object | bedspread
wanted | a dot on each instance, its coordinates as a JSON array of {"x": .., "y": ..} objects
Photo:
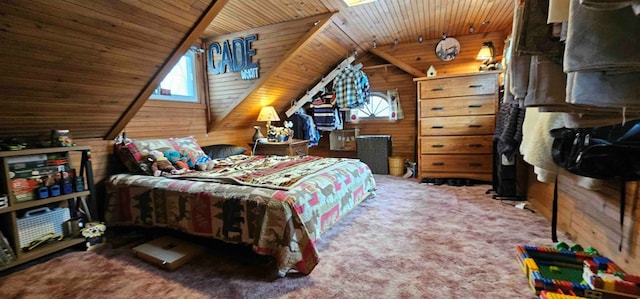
[{"x": 277, "y": 216}]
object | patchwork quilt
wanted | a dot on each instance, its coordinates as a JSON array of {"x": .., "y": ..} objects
[{"x": 277, "y": 204}]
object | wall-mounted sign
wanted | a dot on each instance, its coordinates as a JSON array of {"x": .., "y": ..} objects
[{"x": 234, "y": 56}]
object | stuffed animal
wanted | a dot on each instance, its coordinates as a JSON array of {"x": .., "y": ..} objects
[
  {"x": 94, "y": 234},
  {"x": 177, "y": 160},
  {"x": 202, "y": 163},
  {"x": 188, "y": 158},
  {"x": 160, "y": 164}
]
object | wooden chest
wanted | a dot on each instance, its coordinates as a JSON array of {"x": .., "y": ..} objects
[{"x": 456, "y": 123}]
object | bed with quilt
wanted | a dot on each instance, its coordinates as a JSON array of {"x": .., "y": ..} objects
[{"x": 279, "y": 205}]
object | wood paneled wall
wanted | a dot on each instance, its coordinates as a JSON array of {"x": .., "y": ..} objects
[
  {"x": 592, "y": 217},
  {"x": 63, "y": 57}
]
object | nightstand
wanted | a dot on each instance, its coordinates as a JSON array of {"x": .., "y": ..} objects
[{"x": 295, "y": 147}]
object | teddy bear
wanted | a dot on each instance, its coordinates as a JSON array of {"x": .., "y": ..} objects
[
  {"x": 160, "y": 164},
  {"x": 94, "y": 234}
]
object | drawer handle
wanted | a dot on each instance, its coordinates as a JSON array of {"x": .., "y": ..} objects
[
  {"x": 475, "y": 86},
  {"x": 437, "y": 145},
  {"x": 436, "y": 108},
  {"x": 475, "y": 145},
  {"x": 439, "y": 88},
  {"x": 475, "y": 164},
  {"x": 437, "y": 163},
  {"x": 475, "y": 126},
  {"x": 475, "y": 106},
  {"x": 437, "y": 127}
]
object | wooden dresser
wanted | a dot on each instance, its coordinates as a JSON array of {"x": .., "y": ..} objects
[{"x": 456, "y": 123}]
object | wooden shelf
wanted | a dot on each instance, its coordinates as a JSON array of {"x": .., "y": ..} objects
[
  {"x": 41, "y": 202},
  {"x": 18, "y": 233},
  {"x": 45, "y": 150}
]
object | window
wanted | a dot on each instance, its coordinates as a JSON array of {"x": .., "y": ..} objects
[
  {"x": 378, "y": 107},
  {"x": 180, "y": 83}
]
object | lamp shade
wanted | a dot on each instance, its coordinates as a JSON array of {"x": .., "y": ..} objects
[
  {"x": 268, "y": 113},
  {"x": 486, "y": 52}
]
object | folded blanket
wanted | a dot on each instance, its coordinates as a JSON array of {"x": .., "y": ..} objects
[
  {"x": 558, "y": 11},
  {"x": 596, "y": 119},
  {"x": 535, "y": 35},
  {"x": 602, "y": 89},
  {"x": 602, "y": 40},
  {"x": 536, "y": 142},
  {"x": 519, "y": 76},
  {"x": 547, "y": 83},
  {"x": 611, "y": 4}
]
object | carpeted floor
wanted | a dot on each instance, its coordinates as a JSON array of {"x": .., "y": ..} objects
[{"x": 409, "y": 241}]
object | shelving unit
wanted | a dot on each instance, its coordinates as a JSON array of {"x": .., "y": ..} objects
[{"x": 16, "y": 209}]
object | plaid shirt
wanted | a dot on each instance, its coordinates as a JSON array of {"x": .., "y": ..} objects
[{"x": 351, "y": 88}]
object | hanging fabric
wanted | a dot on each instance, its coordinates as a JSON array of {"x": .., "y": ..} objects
[
  {"x": 396, "y": 111},
  {"x": 325, "y": 114},
  {"x": 351, "y": 88}
]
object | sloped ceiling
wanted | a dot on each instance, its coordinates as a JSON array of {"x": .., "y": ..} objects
[{"x": 86, "y": 65}]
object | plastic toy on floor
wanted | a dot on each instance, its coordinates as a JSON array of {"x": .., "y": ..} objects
[{"x": 571, "y": 272}]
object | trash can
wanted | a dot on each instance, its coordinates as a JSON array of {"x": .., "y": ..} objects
[
  {"x": 396, "y": 166},
  {"x": 374, "y": 150}
]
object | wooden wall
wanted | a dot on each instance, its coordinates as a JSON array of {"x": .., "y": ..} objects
[{"x": 591, "y": 217}]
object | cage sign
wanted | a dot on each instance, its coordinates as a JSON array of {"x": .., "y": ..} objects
[{"x": 234, "y": 56}]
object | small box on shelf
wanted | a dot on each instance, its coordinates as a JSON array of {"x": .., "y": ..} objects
[{"x": 343, "y": 140}]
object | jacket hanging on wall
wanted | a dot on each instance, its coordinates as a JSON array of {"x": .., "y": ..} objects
[{"x": 608, "y": 152}]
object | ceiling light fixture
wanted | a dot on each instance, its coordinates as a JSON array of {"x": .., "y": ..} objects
[
  {"x": 395, "y": 43},
  {"x": 375, "y": 44},
  {"x": 420, "y": 38},
  {"x": 357, "y": 2}
]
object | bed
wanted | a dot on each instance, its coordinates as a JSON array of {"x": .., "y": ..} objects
[{"x": 279, "y": 205}]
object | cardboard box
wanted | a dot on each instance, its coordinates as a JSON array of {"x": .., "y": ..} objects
[{"x": 167, "y": 252}]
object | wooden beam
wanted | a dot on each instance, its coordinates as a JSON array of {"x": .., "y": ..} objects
[
  {"x": 397, "y": 62},
  {"x": 323, "y": 21},
  {"x": 192, "y": 36}
]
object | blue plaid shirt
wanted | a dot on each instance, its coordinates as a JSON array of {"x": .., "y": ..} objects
[{"x": 351, "y": 88}]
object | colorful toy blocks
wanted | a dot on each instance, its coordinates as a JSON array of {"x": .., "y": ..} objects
[{"x": 563, "y": 274}]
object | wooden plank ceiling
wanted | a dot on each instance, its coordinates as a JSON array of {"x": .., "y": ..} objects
[{"x": 81, "y": 64}]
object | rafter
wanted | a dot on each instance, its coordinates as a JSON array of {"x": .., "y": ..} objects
[{"x": 397, "y": 62}]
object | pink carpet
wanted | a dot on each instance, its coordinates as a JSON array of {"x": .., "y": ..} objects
[{"x": 409, "y": 241}]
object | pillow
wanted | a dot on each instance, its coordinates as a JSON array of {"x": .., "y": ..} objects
[
  {"x": 133, "y": 154},
  {"x": 220, "y": 151}
]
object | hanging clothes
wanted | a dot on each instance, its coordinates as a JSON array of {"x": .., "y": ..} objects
[
  {"x": 325, "y": 114},
  {"x": 304, "y": 127},
  {"x": 351, "y": 88}
]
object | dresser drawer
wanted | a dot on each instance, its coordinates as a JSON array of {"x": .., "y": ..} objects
[
  {"x": 458, "y": 125},
  {"x": 456, "y": 145},
  {"x": 457, "y": 163},
  {"x": 459, "y": 86},
  {"x": 475, "y": 105}
]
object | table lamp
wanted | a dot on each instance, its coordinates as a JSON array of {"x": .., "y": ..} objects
[
  {"x": 268, "y": 114},
  {"x": 487, "y": 55}
]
